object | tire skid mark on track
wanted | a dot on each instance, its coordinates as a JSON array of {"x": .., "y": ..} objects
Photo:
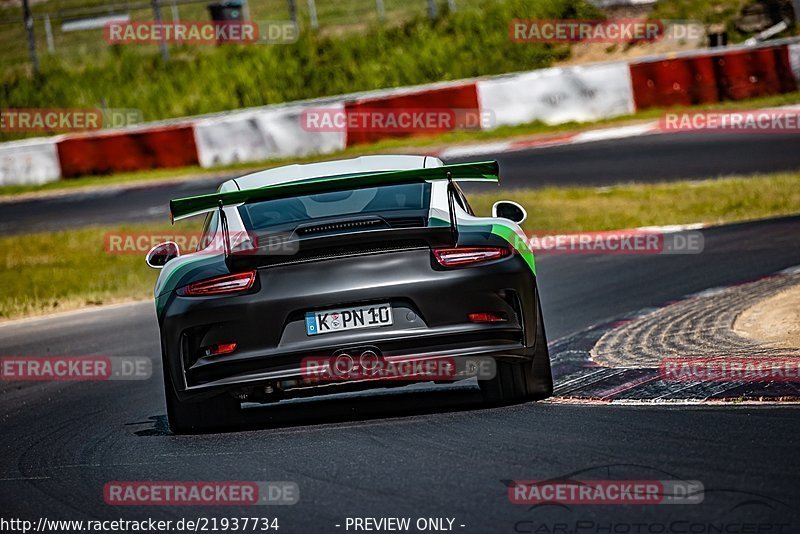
[{"x": 632, "y": 373}]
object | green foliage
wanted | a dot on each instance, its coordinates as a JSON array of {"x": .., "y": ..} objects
[{"x": 208, "y": 79}]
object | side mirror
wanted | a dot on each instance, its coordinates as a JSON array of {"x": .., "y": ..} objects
[
  {"x": 160, "y": 254},
  {"x": 509, "y": 210}
]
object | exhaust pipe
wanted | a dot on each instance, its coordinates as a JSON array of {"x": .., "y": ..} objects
[
  {"x": 343, "y": 364},
  {"x": 369, "y": 362}
]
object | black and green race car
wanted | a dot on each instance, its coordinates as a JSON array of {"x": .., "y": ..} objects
[{"x": 372, "y": 261}]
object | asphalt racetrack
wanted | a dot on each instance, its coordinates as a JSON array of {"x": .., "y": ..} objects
[
  {"x": 426, "y": 451},
  {"x": 648, "y": 158}
]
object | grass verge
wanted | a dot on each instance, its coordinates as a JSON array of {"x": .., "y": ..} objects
[
  {"x": 406, "y": 145},
  {"x": 47, "y": 272},
  {"x": 715, "y": 201}
]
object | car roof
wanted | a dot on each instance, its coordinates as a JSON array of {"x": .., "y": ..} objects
[{"x": 297, "y": 172}]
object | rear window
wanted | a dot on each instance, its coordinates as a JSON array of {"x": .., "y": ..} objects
[{"x": 386, "y": 201}]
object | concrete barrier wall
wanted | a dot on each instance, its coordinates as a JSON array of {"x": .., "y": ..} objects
[
  {"x": 262, "y": 135},
  {"x": 29, "y": 162},
  {"x": 558, "y": 95},
  {"x": 794, "y": 60}
]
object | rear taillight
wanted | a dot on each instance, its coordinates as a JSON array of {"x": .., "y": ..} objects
[
  {"x": 487, "y": 317},
  {"x": 222, "y": 348},
  {"x": 232, "y": 283},
  {"x": 453, "y": 257}
]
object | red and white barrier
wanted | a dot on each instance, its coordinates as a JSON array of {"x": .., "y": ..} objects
[
  {"x": 260, "y": 135},
  {"x": 794, "y": 60},
  {"x": 706, "y": 78},
  {"x": 462, "y": 97},
  {"x": 29, "y": 162},
  {"x": 553, "y": 96},
  {"x": 127, "y": 150},
  {"x": 558, "y": 95}
]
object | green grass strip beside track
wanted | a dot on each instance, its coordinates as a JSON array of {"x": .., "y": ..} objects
[{"x": 55, "y": 271}]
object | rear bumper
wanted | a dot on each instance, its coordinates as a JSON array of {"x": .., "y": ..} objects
[
  {"x": 429, "y": 307},
  {"x": 293, "y": 378}
]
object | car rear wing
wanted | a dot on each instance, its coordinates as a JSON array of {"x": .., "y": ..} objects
[
  {"x": 483, "y": 171},
  {"x": 460, "y": 172}
]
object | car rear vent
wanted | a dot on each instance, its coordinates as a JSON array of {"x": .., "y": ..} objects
[
  {"x": 344, "y": 225},
  {"x": 406, "y": 222},
  {"x": 321, "y": 254}
]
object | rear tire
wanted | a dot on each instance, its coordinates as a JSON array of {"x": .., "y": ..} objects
[
  {"x": 531, "y": 380},
  {"x": 189, "y": 417}
]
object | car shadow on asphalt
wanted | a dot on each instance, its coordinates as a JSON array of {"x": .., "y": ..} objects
[{"x": 419, "y": 399}]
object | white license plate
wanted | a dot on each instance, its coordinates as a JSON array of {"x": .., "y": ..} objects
[{"x": 323, "y": 322}]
